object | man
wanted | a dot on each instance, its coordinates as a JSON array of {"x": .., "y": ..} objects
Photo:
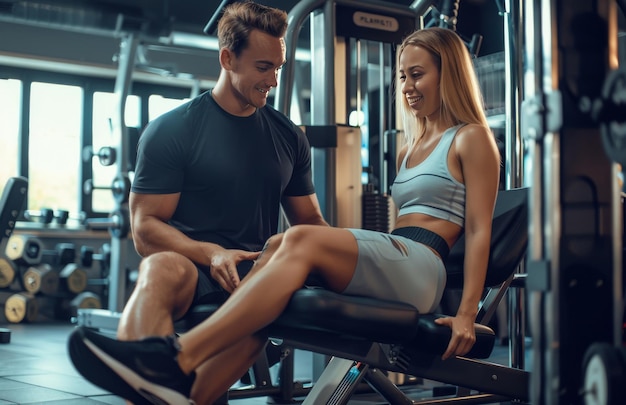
[{"x": 211, "y": 177}]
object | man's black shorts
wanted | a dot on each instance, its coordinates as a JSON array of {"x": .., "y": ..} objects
[{"x": 208, "y": 291}]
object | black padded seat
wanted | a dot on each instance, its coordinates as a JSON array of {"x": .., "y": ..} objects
[
  {"x": 509, "y": 239},
  {"x": 359, "y": 318},
  {"x": 315, "y": 310}
]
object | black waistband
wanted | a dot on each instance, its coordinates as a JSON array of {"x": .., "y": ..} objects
[{"x": 426, "y": 237}]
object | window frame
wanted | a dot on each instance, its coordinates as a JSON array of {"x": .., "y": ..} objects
[{"x": 90, "y": 85}]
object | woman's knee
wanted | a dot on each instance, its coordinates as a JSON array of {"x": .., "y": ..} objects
[
  {"x": 273, "y": 243},
  {"x": 300, "y": 241},
  {"x": 299, "y": 235}
]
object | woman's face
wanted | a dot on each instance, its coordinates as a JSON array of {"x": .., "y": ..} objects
[{"x": 419, "y": 78}]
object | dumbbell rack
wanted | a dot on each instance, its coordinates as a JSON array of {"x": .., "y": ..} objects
[{"x": 52, "y": 280}]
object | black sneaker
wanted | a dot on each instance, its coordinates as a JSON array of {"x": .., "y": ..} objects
[{"x": 143, "y": 371}]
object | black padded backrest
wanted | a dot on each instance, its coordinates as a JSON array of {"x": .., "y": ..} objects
[
  {"x": 509, "y": 240},
  {"x": 11, "y": 204}
]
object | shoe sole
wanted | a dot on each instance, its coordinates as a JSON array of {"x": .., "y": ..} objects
[{"x": 106, "y": 372}]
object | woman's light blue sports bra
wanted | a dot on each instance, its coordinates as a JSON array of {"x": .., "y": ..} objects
[{"x": 429, "y": 188}]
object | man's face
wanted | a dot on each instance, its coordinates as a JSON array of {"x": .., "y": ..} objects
[{"x": 255, "y": 71}]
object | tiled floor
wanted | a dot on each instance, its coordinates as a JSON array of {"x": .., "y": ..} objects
[{"x": 35, "y": 369}]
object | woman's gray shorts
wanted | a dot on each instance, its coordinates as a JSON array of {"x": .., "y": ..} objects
[{"x": 396, "y": 268}]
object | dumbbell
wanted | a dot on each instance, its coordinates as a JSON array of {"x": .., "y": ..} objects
[
  {"x": 120, "y": 187},
  {"x": 85, "y": 300},
  {"x": 24, "y": 249},
  {"x": 47, "y": 215},
  {"x": 73, "y": 279},
  {"x": 107, "y": 155},
  {"x": 40, "y": 279},
  {"x": 43, "y": 216},
  {"x": 63, "y": 253},
  {"x": 7, "y": 272},
  {"x": 118, "y": 223},
  {"x": 67, "y": 309},
  {"x": 87, "y": 256},
  {"x": 21, "y": 307},
  {"x": 61, "y": 216}
]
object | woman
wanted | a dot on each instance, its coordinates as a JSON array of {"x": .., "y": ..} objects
[{"x": 446, "y": 184}]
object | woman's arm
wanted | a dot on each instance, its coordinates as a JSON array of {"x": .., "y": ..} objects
[{"x": 479, "y": 161}]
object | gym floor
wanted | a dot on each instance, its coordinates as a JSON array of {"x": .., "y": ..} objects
[{"x": 35, "y": 369}]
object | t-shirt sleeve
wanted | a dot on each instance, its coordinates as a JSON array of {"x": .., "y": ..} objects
[
  {"x": 160, "y": 158},
  {"x": 301, "y": 182}
]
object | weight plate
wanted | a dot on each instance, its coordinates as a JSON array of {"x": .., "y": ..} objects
[
  {"x": 49, "y": 279},
  {"x": 22, "y": 248},
  {"x": 121, "y": 188},
  {"x": 20, "y": 308},
  {"x": 74, "y": 277},
  {"x": 107, "y": 156},
  {"x": 86, "y": 300},
  {"x": 610, "y": 114},
  {"x": 31, "y": 280},
  {"x": 15, "y": 247},
  {"x": 7, "y": 272},
  {"x": 87, "y": 153},
  {"x": 603, "y": 375}
]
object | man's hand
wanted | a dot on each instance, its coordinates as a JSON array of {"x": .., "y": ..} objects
[
  {"x": 463, "y": 334},
  {"x": 224, "y": 266}
]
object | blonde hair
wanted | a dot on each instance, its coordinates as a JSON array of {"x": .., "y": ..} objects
[{"x": 461, "y": 97}]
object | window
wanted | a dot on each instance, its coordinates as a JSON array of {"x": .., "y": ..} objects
[
  {"x": 104, "y": 109},
  {"x": 54, "y": 146},
  {"x": 10, "y": 102},
  {"x": 157, "y": 105},
  {"x": 51, "y": 124}
]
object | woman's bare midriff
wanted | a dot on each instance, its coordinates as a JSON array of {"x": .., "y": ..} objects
[{"x": 447, "y": 230}]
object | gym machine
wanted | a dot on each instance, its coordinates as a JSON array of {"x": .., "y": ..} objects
[
  {"x": 573, "y": 117},
  {"x": 329, "y": 103},
  {"x": 12, "y": 203},
  {"x": 352, "y": 55}
]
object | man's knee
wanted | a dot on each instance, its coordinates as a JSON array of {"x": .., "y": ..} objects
[{"x": 168, "y": 270}]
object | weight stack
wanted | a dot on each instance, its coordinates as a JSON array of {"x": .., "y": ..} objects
[{"x": 375, "y": 210}]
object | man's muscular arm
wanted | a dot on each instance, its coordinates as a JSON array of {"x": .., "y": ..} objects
[
  {"x": 149, "y": 215},
  {"x": 303, "y": 210}
]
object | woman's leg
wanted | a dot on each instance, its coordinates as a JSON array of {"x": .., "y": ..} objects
[
  {"x": 216, "y": 375},
  {"x": 264, "y": 293}
]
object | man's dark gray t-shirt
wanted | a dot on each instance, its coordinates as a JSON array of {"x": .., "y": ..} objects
[{"x": 232, "y": 172}]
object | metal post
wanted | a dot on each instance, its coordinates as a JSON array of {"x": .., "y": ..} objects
[
  {"x": 323, "y": 105},
  {"x": 119, "y": 245},
  {"x": 513, "y": 162},
  {"x": 571, "y": 260}
]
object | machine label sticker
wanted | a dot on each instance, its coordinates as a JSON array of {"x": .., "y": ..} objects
[{"x": 375, "y": 21}]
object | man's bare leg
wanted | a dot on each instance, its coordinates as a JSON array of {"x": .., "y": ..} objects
[{"x": 164, "y": 291}]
